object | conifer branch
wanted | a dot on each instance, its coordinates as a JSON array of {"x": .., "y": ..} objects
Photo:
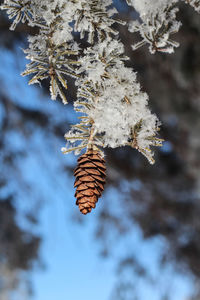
[
  {"x": 114, "y": 110},
  {"x": 156, "y": 28}
]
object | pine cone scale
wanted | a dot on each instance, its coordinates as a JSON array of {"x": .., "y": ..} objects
[
  {"x": 99, "y": 178},
  {"x": 90, "y": 179},
  {"x": 81, "y": 173},
  {"x": 87, "y": 165},
  {"x": 82, "y": 187},
  {"x": 82, "y": 160},
  {"x": 90, "y": 184},
  {"x": 77, "y": 182},
  {"x": 86, "y": 178},
  {"x": 97, "y": 192},
  {"x": 89, "y": 192},
  {"x": 100, "y": 186},
  {"x": 93, "y": 172},
  {"x": 99, "y": 165}
]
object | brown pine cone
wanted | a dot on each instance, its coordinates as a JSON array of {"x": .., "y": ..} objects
[{"x": 90, "y": 179}]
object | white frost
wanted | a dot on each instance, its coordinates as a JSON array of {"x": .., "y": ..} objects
[{"x": 114, "y": 110}]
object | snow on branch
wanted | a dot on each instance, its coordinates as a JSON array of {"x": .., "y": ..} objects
[
  {"x": 95, "y": 17},
  {"x": 20, "y": 11},
  {"x": 112, "y": 103},
  {"x": 158, "y": 23},
  {"x": 113, "y": 111}
]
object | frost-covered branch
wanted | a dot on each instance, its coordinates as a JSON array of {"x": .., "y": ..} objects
[
  {"x": 157, "y": 23},
  {"x": 156, "y": 30},
  {"x": 51, "y": 61},
  {"x": 52, "y": 52},
  {"x": 113, "y": 110},
  {"x": 20, "y": 11},
  {"x": 95, "y": 17},
  {"x": 110, "y": 98}
]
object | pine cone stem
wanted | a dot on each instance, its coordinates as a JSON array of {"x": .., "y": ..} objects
[{"x": 90, "y": 179}]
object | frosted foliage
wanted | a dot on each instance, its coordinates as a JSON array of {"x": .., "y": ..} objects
[
  {"x": 109, "y": 82},
  {"x": 97, "y": 58},
  {"x": 93, "y": 16},
  {"x": 110, "y": 96},
  {"x": 114, "y": 117},
  {"x": 71, "y": 136},
  {"x": 36, "y": 43},
  {"x": 114, "y": 111},
  {"x": 157, "y": 27},
  {"x": 147, "y": 7},
  {"x": 158, "y": 23},
  {"x": 56, "y": 17},
  {"x": 19, "y": 11},
  {"x": 47, "y": 9}
]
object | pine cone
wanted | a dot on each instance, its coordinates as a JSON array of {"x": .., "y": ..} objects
[{"x": 90, "y": 179}]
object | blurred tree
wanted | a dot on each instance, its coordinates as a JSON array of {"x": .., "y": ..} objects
[{"x": 18, "y": 248}]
